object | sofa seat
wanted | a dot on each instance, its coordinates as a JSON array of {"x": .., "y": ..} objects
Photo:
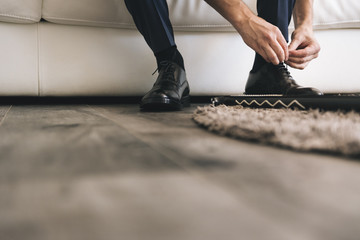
[{"x": 91, "y": 48}]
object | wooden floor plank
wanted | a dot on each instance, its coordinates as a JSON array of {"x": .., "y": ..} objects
[
  {"x": 3, "y": 111},
  {"x": 146, "y": 206},
  {"x": 299, "y": 191},
  {"x": 64, "y": 141}
]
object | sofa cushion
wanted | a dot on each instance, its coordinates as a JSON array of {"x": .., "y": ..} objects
[
  {"x": 336, "y": 14},
  {"x": 186, "y": 14},
  {"x": 20, "y": 11},
  {"x": 103, "y": 13}
]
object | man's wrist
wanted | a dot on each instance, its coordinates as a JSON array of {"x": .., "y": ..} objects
[
  {"x": 304, "y": 25},
  {"x": 305, "y": 30}
]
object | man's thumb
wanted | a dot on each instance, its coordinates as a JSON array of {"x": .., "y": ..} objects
[{"x": 295, "y": 43}]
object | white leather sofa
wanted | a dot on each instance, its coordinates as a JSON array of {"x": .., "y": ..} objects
[{"x": 91, "y": 48}]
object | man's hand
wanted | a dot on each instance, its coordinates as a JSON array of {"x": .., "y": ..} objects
[
  {"x": 302, "y": 49},
  {"x": 265, "y": 38}
]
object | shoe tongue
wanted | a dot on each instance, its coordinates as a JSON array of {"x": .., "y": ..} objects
[{"x": 165, "y": 65}]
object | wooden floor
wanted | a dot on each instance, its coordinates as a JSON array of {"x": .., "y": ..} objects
[{"x": 110, "y": 172}]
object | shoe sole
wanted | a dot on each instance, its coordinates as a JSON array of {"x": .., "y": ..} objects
[{"x": 165, "y": 104}]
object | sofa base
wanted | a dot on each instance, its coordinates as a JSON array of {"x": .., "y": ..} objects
[{"x": 46, "y": 59}]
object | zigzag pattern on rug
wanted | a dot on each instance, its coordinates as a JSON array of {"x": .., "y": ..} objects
[{"x": 245, "y": 103}]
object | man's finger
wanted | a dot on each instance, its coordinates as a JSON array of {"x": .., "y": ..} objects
[
  {"x": 302, "y": 59},
  {"x": 270, "y": 55},
  {"x": 295, "y": 43},
  {"x": 279, "y": 51},
  {"x": 301, "y": 53},
  {"x": 284, "y": 45},
  {"x": 300, "y": 66}
]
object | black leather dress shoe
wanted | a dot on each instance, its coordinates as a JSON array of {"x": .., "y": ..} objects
[
  {"x": 276, "y": 79},
  {"x": 170, "y": 91}
]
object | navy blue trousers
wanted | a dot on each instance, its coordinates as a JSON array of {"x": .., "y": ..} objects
[{"x": 152, "y": 20}]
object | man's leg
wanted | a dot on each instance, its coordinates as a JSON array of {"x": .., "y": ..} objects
[
  {"x": 171, "y": 89},
  {"x": 152, "y": 20},
  {"x": 266, "y": 78},
  {"x": 278, "y": 13}
]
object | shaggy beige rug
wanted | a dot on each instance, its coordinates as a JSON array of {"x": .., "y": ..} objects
[{"x": 313, "y": 130}]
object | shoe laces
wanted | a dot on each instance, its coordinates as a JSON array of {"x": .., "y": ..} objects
[
  {"x": 284, "y": 71},
  {"x": 167, "y": 70}
]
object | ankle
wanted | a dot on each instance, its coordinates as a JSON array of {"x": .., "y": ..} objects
[{"x": 172, "y": 55}]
